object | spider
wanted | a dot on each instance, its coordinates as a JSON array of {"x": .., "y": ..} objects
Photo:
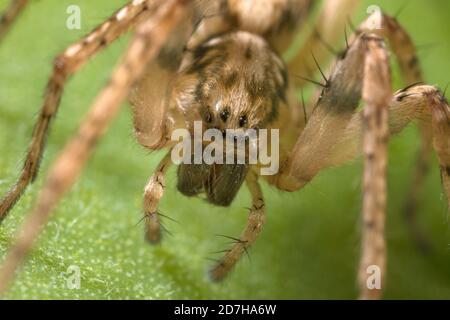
[{"x": 218, "y": 62}]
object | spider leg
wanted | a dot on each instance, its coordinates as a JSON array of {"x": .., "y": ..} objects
[
  {"x": 313, "y": 150},
  {"x": 10, "y": 15},
  {"x": 151, "y": 98},
  {"x": 441, "y": 132},
  {"x": 407, "y": 105},
  {"x": 403, "y": 47},
  {"x": 151, "y": 35},
  {"x": 315, "y": 51},
  {"x": 430, "y": 100},
  {"x": 363, "y": 72},
  {"x": 152, "y": 95},
  {"x": 377, "y": 94},
  {"x": 153, "y": 193},
  {"x": 336, "y": 133},
  {"x": 65, "y": 65},
  {"x": 255, "y": 222},
  {"x": 329, "y": 27}
]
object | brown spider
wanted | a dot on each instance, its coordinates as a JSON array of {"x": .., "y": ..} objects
[{"x": 217, "y": 62}]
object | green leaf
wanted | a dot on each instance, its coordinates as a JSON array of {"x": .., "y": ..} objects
[{"x": 309, "y": 247}]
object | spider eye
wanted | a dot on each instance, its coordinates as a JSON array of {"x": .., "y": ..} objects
[
  {"x": 224, "y": 114},
  {"x": 242, "y": 121}
]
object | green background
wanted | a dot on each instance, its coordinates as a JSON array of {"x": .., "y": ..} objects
[{"x": 309, "y": 247}]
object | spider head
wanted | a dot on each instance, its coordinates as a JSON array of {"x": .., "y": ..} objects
[{"x": 233, "y": 81}]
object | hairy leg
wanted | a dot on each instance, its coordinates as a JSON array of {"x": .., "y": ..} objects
[
  {"x": 154, "y": 191},
  {"x": 407, "y": 105},
  {"x": 363, "y": 70},
  {"x": 150, "y": 37},
  {"x": 152, "y": 95},
  {"x": 10, "y": 15},
  {"x": 333, "y": 135},
  {"x": 255, "y": 223},
  {"x": 376, "y": 93},
  {"x": 432, "y": 100},
  {"x": 313, "y": 149},
  {"x": 65, "y": 65},
  {"x": 404, "y": 48}
]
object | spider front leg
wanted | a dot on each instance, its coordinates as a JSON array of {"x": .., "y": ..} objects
[
  {"x": 314, "y": 148},
  {"x": 431, "y": 101},
  {"x": 153, "y": 193},
  {"x": 363, "y": 70},
  {"x": 150, "y": 98},
  {"x": 65, "y": 65},
  {"x": 10, "y": 15},
  {"x": 151, "y": 35},
  {"x": 334, "y": 134},
  {"x": 255, "y": 222},
  {"x": 408, "y": 104}
]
